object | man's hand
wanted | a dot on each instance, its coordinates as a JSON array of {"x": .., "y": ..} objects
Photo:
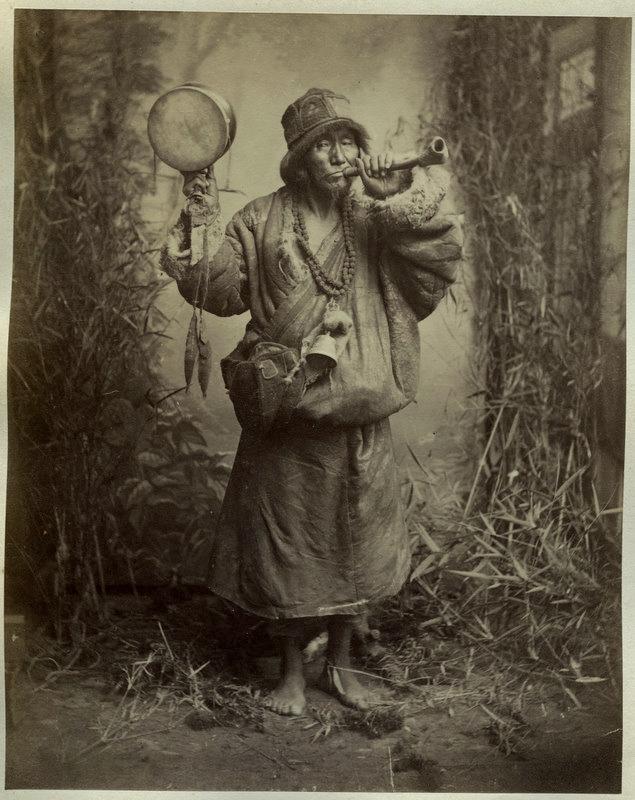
[
  {"x": 373, "y": 170},
  {"x": 202, "y": 182}
]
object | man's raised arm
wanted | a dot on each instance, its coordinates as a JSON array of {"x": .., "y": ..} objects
[
  {"x": 421, "y": 240},
  {"x": 207, "y": 263}
]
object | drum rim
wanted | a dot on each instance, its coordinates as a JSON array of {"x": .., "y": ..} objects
[{"x": 221, "y": 104}]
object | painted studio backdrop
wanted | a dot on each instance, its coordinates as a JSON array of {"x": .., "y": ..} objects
[{"x": 511, "y": 458}]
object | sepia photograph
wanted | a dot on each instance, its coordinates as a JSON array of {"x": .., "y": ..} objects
[{"x": 316, "y": 391}]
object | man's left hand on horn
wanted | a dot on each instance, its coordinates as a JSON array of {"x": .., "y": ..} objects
[{"x": 377, "y": 180}]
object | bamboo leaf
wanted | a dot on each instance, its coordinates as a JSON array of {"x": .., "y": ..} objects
[
  {"x": 427, "y": 539},
  {"x": 483, "y": 577},
  {"x": 151, "y": 459},
  {"x": 424, "y": 567},
  {"x": 139, "y": 493},
  {"x": 563, "y": 488}
]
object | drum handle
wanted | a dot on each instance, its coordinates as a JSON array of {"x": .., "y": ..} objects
[
  {"x": 197, "y": 194},
  {"x": 435, "y": 153}
]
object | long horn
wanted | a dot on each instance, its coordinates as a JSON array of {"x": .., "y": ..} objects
[{"x": 435, "y": 153}]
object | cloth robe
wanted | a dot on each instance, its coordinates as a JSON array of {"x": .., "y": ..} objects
[{"x": 312, "y": 522}]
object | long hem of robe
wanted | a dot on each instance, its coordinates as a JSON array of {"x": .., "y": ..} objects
[{"x": 312, "y": 523}]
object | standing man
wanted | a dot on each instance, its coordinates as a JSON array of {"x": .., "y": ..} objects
[{"x": 312, "y": 526}]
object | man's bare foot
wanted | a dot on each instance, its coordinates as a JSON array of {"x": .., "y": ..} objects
[
  {"x": 342, "y": 683},
  {"x": 288, "y": 697}
]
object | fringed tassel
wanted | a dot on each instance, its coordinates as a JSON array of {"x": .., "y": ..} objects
[
  {"x": 306, "y": 344},
  {"x": 293, "y": 372}
]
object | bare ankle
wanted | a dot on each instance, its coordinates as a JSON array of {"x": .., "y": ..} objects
[{"x": 292, "y": 663}]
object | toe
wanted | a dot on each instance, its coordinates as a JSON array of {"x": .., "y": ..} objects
[
  {"x": 362, "y": 701},
  {"x": 286, "y": 708},
  {"x": 274, "y": 704}
]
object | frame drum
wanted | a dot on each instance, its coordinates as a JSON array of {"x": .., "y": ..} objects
[{"x": 191, "y": 127}]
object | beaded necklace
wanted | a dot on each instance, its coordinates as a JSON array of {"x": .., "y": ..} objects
[{"x": 330, "y": 287}]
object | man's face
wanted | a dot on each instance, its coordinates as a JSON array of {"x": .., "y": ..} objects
[{"x": 328, "y": 157}]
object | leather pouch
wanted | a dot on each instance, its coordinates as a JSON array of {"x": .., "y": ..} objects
[{"x": 264, "y": 386}]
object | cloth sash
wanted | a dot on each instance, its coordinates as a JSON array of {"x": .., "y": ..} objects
[{"x": 303, "y": 308}]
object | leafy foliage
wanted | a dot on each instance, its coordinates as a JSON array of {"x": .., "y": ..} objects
[
  {"x": 525, "y": 564},
  {"x": 170, "y": 504},
  {"x": 94, "y": 453}
]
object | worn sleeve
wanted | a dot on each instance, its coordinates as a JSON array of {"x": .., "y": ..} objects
[
  {"x": 224, "y": 291},
  {"x": 420, "y": 240}
]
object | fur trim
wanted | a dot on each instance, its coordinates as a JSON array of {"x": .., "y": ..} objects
[
  {"x": 416, "y": 202},
  {"x": 176, "y": 254},
  {"x": 174, "y": 267},
  {"x": 252, "y": 216},
  {"x": 288, "y": 261}
]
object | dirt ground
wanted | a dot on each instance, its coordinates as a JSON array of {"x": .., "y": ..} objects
[{"x": 53, "y": 742}]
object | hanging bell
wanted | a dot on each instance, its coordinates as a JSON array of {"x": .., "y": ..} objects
[{"x": 322, "y": 355}]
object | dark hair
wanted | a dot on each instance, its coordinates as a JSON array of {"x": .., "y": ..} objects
[{"x": 293, "y": 169}]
